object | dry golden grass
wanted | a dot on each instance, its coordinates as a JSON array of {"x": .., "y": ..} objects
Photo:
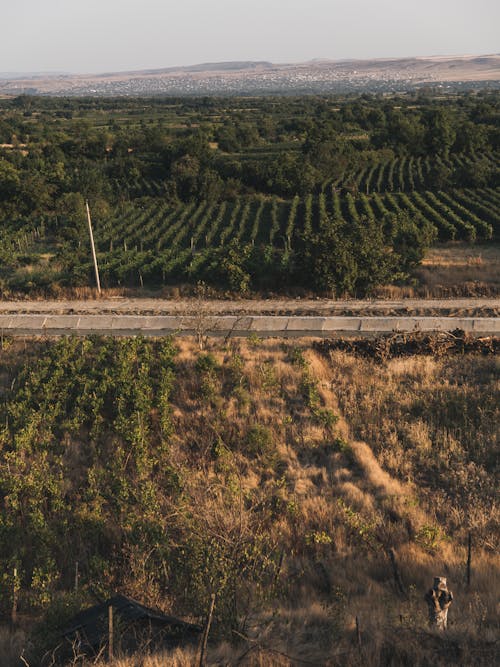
[
  {"x": 384, "y": 499},
  {"x": 459, "y": 254},
  {"x": 453, "y": 269},
  {"x": 405, "y": 467}
]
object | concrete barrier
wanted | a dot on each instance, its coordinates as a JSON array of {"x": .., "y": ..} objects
[
  {"x": 333, "y": 324},
  {"x": 263, "y": 324},
  {"x": 388, "y": 324},
  {"x": 89, "y": 324},
  {"x": 483, "y": 324},
  {"x": 266, "y": 326},
  {"x": 58, "y": 322},
  {"x": 300, "y": 324}
]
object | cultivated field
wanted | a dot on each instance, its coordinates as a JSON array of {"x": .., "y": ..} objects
[{"x": 337, "y": 197}]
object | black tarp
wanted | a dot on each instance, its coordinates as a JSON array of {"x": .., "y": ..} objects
[{"x": 134, "y": 626}]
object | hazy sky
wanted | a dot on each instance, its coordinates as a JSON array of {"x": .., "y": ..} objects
[{"x": 104, "y": 35}]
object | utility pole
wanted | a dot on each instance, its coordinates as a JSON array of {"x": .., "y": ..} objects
[{"x": 93, "y": 248}]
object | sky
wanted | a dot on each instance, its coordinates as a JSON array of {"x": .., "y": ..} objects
[{"x": 115, "y": 35}]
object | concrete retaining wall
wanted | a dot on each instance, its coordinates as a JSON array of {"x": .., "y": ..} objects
[{"x": 266, "y": 326}]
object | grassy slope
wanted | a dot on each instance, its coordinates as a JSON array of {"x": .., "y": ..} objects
[{"x": 288, "y": 477}]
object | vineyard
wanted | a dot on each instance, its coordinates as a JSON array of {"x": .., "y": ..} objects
[
  {"x": 406, "y": 174},
  {"x": 339, "y": 196},
  {"x": 151, "y": 242},
  {"x": 399, "y": 174}
]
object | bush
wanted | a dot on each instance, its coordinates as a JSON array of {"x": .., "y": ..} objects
[
  {"x": 206, "y": 363},
  {"x": 258, "y": 441}
]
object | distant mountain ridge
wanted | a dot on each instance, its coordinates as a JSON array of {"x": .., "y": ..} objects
[
  {"x": 264, "y": 77},
  {"x": 223, "y": 66},
  {"x": 31, "y": 75}
]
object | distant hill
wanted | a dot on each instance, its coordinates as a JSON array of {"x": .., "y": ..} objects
[
  {"x": 30, "y": 75},
  {"x": 221, "y": 67},
  {"x": 235, "y": 66},
  {"x": 262, "y": 77}
]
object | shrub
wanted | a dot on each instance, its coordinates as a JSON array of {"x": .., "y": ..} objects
[
  {"x": 258, "y": 441},
  {"x": 206, "y": 363}
]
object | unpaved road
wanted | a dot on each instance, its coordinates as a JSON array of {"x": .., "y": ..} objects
[{"x": 473, "y": 307}]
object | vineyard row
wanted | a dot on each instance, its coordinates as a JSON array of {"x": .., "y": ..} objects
[{"x": 405, "y": 174}]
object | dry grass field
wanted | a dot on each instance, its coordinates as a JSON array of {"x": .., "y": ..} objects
[
  {"x": 325, "y": 462},
  {"x": 454, "y": 270},
  {"x": 472, "y": 269}
]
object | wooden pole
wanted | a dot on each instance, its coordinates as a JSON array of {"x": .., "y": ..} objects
[
  {"x": 395, "y": 571},
  {"x": 110, "y": 633},
  {"x": 13, "y": 617},
  {"x": 358, "y": 634},
  {"x": 77, "y": 576},
  {"x": 206, "y": 632},
  {"x": 469, "y": 558},
  {"x": 94, "y": 256},
  {"x": 280, "y": 566}
]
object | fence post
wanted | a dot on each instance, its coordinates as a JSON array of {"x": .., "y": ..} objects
[
  {"x": 469, "y": 558},
  {"x": 395, "y": 571},
  {"x": 358, "y": 633},
  {"x": 13, "y": 616},
  {"x": 110, "y": 633},
  {"x": 206, "y": 632}
]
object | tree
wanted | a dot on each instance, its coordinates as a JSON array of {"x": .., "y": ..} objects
[
  {"x": 10, "y": 180},
  {"x": 356, "y": 257},
  {"x": 440, "y": 132},
  {"x": 327, "y": 259},
  {"x": 210, "y": 186},
  {"x": 184, "y": 172},
  {"x": 441, "y": 176},
  {"x": 70, "y": 208},
  {"x": 409, "y": 240},
  {"x": 477, "y": 174}
]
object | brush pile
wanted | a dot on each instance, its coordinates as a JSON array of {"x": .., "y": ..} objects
[{"x": 407, "y": 344}]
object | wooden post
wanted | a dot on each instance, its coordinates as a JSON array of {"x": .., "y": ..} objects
[
  {"x": 358, "y": 633},
  {"x": 396, "y": 572},
  {"x": 110, "y": 633},
  {"x": 279, "y": 568},
  {"x": 469, "y": 558},
  {"x": 13, "y": 617},
  {"x": 94, "y": 256},
  {"x": 77, "y": 577},
  {"x": 206, "y": 632}
]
